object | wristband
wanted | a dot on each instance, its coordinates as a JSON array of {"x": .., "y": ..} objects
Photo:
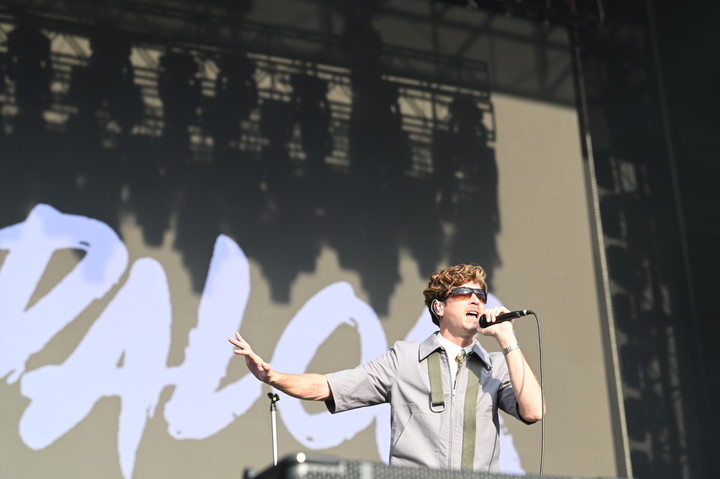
[{"x": 510, "y": 348}]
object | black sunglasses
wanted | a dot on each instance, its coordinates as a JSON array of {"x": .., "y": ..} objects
[{"x": 465, "y": 291}]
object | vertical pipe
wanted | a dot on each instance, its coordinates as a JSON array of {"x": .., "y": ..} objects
[{"x": 606, "y": 296}]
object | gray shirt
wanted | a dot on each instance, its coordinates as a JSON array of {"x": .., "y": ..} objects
[{"x": 420, "y": 436}]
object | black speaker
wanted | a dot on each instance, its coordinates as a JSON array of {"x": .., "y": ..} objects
[{"x": 311, "y": 466}]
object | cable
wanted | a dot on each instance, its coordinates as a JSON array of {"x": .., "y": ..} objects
[{"x": 542, "y": 395}]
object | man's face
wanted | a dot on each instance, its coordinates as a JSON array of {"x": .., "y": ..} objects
[{"x": 461, "y": 313}]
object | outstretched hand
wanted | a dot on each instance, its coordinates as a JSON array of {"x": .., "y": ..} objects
[{"x": 257, "y": 366}]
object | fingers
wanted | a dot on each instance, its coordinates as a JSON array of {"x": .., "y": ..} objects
[
  {"x": 238, "y": 340},
  {"x": 242, "y": 346},
  {"x": 256, "y": 365},
  {"x": 492, "y": 329},
  {"x": 491, "y": 314}
]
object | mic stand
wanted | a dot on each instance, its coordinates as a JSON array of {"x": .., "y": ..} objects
[{"x": 274, "y": 398}]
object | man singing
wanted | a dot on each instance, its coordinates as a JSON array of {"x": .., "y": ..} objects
[{"x": 444, "y": 392}]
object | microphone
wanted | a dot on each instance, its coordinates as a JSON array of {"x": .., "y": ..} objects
[{"x": 505, "y": 317}]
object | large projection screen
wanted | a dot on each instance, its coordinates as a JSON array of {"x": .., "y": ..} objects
[{"x": 128, "y": 256}]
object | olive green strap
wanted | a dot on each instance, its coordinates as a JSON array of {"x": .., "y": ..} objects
[
  {"x": 437, "y": 395},
  {"x": 470, "y": 412}
]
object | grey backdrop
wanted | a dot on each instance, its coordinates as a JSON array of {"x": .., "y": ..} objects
[{"x": 369, "y": 145}]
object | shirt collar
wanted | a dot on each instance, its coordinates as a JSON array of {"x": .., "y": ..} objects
[{"x": 433, "y": 343}]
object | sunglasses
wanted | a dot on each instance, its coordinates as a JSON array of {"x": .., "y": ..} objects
[{"x": 464, "y": 293}]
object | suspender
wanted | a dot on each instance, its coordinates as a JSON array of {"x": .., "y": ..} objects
[
  {"x": 470, "y": 412},
  {"x": 437, "y": 402},
  {"x": 437, "y": 394}
]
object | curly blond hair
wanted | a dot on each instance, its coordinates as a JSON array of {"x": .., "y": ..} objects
[{"x": 443, "y": 281}]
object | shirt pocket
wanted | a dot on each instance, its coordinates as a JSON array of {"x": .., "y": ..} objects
[{"x": 410, "y": 433}]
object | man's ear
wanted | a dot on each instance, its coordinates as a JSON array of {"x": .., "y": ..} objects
[{"x": 437, "y": 308}]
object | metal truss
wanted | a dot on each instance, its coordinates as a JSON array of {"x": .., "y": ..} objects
[{"x": 426, "y": 82}]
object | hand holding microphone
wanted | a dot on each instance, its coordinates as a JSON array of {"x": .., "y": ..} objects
[{"x": 504, "y": 317}]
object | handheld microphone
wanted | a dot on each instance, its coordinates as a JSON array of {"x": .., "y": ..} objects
[{"x": 505, "y": 317}]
